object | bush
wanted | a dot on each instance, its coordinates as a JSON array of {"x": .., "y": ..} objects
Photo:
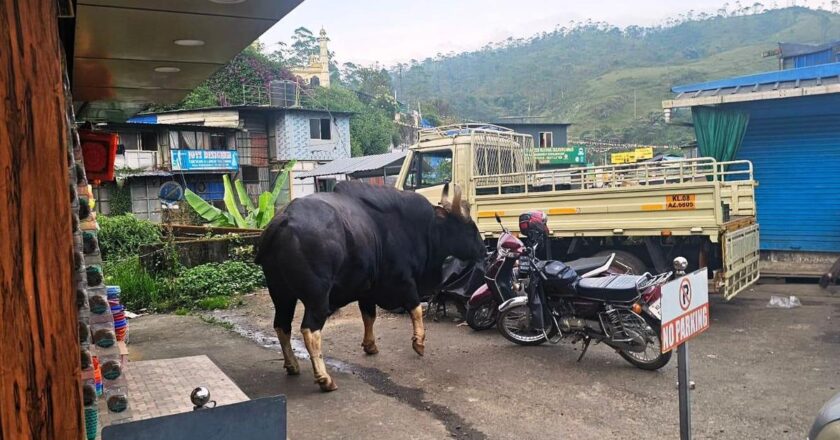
[
  {"x": 121, "y": 236},
  {"x": 203, "y": 286},
  {"x": 139, "y": 289}
]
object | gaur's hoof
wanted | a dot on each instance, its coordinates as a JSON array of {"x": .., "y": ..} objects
[
  {"x": 370, "y": 348},
  {"x": 292, "y": 370},
  {"x": 418, "y": 345},
  {"x": 327, "y": 384}
]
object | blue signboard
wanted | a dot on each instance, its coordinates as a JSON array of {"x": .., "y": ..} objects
[{"x": 193, "y": 160}]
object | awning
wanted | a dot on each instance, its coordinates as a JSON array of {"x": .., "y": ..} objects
[{"x": 130, "y": 53}]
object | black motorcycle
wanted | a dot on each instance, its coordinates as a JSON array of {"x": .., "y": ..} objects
[
  {"x": 622, "y": 311},
  {"x": 459, "y": 280}
]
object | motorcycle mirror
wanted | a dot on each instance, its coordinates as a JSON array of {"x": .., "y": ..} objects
[{"x": 499, "y": 221}]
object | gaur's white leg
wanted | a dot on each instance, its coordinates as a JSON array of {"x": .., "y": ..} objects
[
  {"x": 319, "y": 368},
  {"x": 418, "y": 341}
]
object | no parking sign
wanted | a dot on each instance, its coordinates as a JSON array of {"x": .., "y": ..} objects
[{"x": 685, "y": 309}]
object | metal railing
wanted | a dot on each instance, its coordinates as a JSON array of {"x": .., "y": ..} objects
[{"x": 614, "y": 176}]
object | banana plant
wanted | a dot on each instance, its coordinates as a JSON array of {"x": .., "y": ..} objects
[{"x": 257, "y": 217}]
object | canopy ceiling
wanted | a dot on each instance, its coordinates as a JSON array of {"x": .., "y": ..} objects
[{"x": 130, "y": 53}]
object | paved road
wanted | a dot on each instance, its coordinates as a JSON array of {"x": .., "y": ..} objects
[{"x": 761, "y": 373}]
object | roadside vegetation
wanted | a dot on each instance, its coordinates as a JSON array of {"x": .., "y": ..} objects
[{"x": 179, "y": 289}]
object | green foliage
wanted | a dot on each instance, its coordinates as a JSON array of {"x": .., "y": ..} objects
[
  {"x": 139, "y": 289},
  {"x": 121, "y": 236},
  {"x": 120, "y": 199},
  {"x": 213, "y": 303},
  {"x": 610, "y": 82},
  {"x": 257, "y": 217},
  {"x": 208, "y": 286},
  {"x": 213, "y": 280},
  {"x": 235, "y": 83}
]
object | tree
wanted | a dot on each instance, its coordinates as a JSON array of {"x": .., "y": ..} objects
[{"x": 304, "y": 45}]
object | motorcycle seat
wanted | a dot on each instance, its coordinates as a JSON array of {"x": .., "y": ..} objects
[
  {"x": 618, "y": 288},
  {"x": 584, "y": 265}
]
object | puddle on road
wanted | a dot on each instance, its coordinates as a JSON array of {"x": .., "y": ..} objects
[{"x": 381, "y": 382}]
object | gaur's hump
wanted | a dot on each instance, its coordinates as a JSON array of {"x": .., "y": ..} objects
[{"x": 380, "y": 197}]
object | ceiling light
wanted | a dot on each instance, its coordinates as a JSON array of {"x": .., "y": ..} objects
[
  {"x": 167, "y": 69},
  {"x": 189, "y": 43},
  {"x": 227, "y": 2}
]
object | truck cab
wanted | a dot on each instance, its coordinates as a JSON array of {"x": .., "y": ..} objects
[{"x": 646, "y": 213}]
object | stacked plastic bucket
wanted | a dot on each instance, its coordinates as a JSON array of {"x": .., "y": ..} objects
[{"x": 118, "y": 311}]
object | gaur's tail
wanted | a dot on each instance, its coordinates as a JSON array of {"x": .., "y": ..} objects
[{"x": 264, "y": 246}]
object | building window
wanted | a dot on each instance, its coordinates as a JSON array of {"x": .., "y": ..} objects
[
  {"x": 128, "y": 141},
  {"x": 148, "y": 141},
  {"x": 250, "y": 174},
  {"x": 325, "y": 185},
  {"x": 320, "y": 128},
  {"x": 546, "y": 139},
  {"x": 218, "y": 141}
]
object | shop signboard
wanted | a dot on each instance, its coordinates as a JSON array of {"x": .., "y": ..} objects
[
  {"x": 560, "y": 156},
  {"x": 194, "y": 160}
]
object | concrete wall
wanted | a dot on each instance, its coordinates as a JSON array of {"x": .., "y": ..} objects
[{"x": 294, "y": 141}]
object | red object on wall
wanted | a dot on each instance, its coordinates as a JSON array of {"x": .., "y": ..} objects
[{"x": 100, "y": 151}]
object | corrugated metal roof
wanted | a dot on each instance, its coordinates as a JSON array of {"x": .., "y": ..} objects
[
  {"x": 787, "y": 50},
  {"x": 824, "y": 74},
  {"x": 806, "y": 81},
  {"x": 354, "y": 164}
]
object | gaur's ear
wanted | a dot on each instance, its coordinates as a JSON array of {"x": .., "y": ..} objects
[{"x": 441, "y": 212}]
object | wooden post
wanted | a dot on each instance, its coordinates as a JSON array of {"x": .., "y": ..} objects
[{"x": 40, "y": 396}]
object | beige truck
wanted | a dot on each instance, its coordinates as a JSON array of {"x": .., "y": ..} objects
[{"x": 646, "y": 213}]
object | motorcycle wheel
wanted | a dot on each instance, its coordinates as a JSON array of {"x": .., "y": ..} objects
[
  {"x": 514, "y": 324},
  {"x": 652, "y": 358},
  {"x": 482, "y": 317}
]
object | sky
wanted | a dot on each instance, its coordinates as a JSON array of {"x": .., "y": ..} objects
[{"x": 388, "y": 32}]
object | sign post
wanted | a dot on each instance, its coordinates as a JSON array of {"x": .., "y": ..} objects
[{"x": 685, "y": 314}]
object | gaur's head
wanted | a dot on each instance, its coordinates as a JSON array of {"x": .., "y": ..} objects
[{"x": 458, "y": 234}]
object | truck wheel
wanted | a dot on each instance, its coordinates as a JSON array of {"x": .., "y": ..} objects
[{"x": 627, "y": 262}]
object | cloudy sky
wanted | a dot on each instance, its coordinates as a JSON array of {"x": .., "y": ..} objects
[{"x": 365, "y": 31}]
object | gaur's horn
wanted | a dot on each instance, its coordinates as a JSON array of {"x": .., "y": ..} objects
[
  {"x": 456, "y": 203},
  {"x": 444, "y": 197}
]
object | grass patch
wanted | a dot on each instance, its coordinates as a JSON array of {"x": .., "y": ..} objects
[
  {"x": 139, "y": 289},
  {"x": 214, "y": 303},
  {"x": 213, "y": 321}
]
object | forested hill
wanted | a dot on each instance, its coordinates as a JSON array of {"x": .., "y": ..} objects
[{"x": 588, "y": 74}]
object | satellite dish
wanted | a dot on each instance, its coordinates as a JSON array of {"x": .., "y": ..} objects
[{"x": 171, "y": 192}]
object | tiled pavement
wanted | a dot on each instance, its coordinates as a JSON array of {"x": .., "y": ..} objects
[{"x": 162, "y": 387}]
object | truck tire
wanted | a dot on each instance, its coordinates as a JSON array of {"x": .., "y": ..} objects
[{"x": 626, "y": 261}]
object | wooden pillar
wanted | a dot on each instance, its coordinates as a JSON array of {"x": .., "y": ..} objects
[{"x": 40, "y": 395}]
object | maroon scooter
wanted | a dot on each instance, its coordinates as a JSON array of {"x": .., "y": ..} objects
[{"x": 502, "y": 283}]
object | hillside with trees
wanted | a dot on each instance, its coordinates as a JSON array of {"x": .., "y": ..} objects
[{"x": 609, "y": 82}]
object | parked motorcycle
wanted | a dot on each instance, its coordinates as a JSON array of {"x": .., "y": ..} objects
[
  {"x": 459, "y": 280},
  {"x": 501, "y": 280},
  {"x": 551, "y": 302}
]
